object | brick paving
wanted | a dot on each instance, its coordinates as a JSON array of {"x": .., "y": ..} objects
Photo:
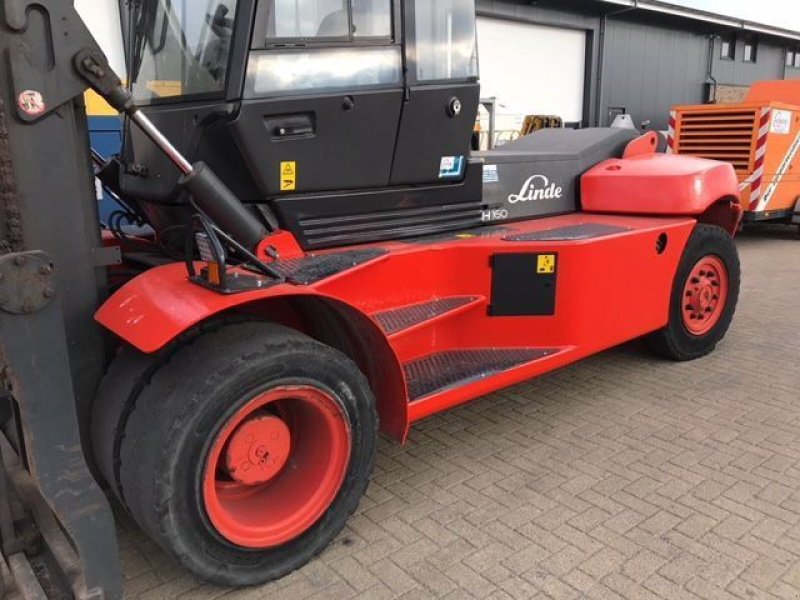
[{"x": 620, "y": 477}]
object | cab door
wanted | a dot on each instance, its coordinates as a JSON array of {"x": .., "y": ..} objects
[
  {"x": 322, "y": 95},
  {"x": 441, "y": 101}
]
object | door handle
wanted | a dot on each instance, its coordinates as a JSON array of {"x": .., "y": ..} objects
[
  {"x": 293, "y": 131},
  {"x": 290, "y": 126}
]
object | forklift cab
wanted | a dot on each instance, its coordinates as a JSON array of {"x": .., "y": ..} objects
[
  {"x": 341, "y": 121},
  {"x": 305, "y": 96}
]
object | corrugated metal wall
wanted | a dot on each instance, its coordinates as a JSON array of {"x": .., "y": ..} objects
[
  {"x": 649, "y": 68},
  {"x": 769, "y": 64},
  {"x": 652, "y": 61}
]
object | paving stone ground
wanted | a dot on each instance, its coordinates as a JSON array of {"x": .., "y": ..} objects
[{"x": 620, "y": 477}]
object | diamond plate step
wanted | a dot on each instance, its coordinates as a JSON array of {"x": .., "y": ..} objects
[
  {"x": 314, "y": 268},
  {"x": 584, "y": 231},
  {"x": 438, "y": 372},
  {"x": 398, "y": 319}
]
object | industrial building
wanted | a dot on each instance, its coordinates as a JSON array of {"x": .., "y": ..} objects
[{"x": 587, "y": 61}]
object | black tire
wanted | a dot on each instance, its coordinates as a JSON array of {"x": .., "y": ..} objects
[
  {"x": 185, "y": 403},
  {"x": 118, "y": 392},
  {"x": 675, "y": 341},
  {"x": 129, "y": 373}
]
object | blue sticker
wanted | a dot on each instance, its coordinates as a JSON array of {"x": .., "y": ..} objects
[{"x": 452, "y": 167}]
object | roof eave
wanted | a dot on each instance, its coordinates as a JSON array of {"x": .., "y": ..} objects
[{"x": 701, "y": 15}]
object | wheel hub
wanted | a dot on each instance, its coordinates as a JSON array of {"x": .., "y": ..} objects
[
  {"x": 258, "y": 450},
  {"x": 704, "y": 295},
  {"x": 276, "y": 466}
]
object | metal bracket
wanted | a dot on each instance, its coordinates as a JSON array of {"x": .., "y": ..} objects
[
  {"x": 27, "y": 282},
  {"x": 42, "y": 72}
]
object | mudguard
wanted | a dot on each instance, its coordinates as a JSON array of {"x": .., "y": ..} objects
[
  {"x": 154, "y": 309},
  {"x": 659, "y": 184}
]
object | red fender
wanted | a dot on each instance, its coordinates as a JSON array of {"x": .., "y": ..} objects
[
  {"x": 158, "y": 306},
  {"x": 664, "y": 184}
]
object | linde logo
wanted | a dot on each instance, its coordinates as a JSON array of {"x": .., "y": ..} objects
[{"x": 537, "y": 187}]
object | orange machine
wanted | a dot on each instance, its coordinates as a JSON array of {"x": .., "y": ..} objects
[{"x": 760, "y": 137}]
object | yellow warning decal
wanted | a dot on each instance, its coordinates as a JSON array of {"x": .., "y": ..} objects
[
  {"x": 546, "y": 264},
  {"x": 288, "y": 176}
]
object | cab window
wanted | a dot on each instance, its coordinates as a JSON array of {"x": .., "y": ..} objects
[
  {"x": 177, "y": 50},
  {"x": 326, "y": 20},
  {"x": 322, "y": 45},
  {"x": 445, "y": 40}
]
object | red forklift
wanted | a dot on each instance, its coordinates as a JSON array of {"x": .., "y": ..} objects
[{"x": 305, "y": 251}]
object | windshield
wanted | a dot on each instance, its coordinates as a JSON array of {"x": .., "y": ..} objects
[{"x": 179, "y": 47}]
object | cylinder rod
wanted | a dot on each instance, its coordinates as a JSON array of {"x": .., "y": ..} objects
[{"x": 158, "y": 138}]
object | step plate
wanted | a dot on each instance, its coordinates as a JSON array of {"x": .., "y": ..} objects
[
  {"x": 399, "y": 319},
  {"x": 482, "y": 232},
  {"x": 584, "y": 231},
  {"x": 312, "y": 269},
  {"x": 439, "y": 372}
]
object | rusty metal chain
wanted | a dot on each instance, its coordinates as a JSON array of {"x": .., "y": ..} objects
[{"x": 10, "y": 216}]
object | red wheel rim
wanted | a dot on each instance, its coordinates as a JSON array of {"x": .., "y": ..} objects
[
  {"x": 276, "y": 466},
  {"x": 704, "y": 295}
]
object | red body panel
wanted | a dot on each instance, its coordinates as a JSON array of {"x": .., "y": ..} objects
[
  {"x": 657, "y": 184},
  {"x": 610, "y": 289},
  {"x": 646, "y": 144}
]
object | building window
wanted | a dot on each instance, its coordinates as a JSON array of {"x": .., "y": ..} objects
[
  {"x": 727, "y": 49},
  {"x": 793, "y": 57},
  {"x": 750, "y": 50}
]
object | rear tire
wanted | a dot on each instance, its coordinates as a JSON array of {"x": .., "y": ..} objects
[
  {"x": 246, "y": 452},
  {"x": 704, "y": 297}
]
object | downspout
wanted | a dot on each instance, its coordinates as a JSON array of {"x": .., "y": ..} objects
[
  {"x": 601, "y": 58},
  {"x": 712, "y": 99},
  {"x": 785, "y": 58}
]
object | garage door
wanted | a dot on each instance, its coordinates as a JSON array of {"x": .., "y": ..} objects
[{"x": 531, "y": 69}]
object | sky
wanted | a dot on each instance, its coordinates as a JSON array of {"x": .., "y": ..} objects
[{"x": 779, "y": 13}]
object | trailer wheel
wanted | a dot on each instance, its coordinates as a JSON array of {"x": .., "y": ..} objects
[
  {"x": 247, "y": 452},
  {"x": 704, "y": 297}
]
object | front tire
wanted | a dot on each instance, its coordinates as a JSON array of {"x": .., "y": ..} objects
[
  {"x": 704, "y": 297},
  {"x": 247, "y": 451}
]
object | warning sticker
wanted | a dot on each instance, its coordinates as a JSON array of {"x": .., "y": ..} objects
[
  {"x": 32, "y": 103},
  {"x": 546, "y": 264},
  {"x": 781, "y": 121},
  {"x": 288, "y": 176}
]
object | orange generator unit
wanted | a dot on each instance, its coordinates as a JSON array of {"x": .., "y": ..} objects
[{"x": 761, "y": 139}]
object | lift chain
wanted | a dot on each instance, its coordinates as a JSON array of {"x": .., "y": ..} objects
[{"x": 10, "y": 223}]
